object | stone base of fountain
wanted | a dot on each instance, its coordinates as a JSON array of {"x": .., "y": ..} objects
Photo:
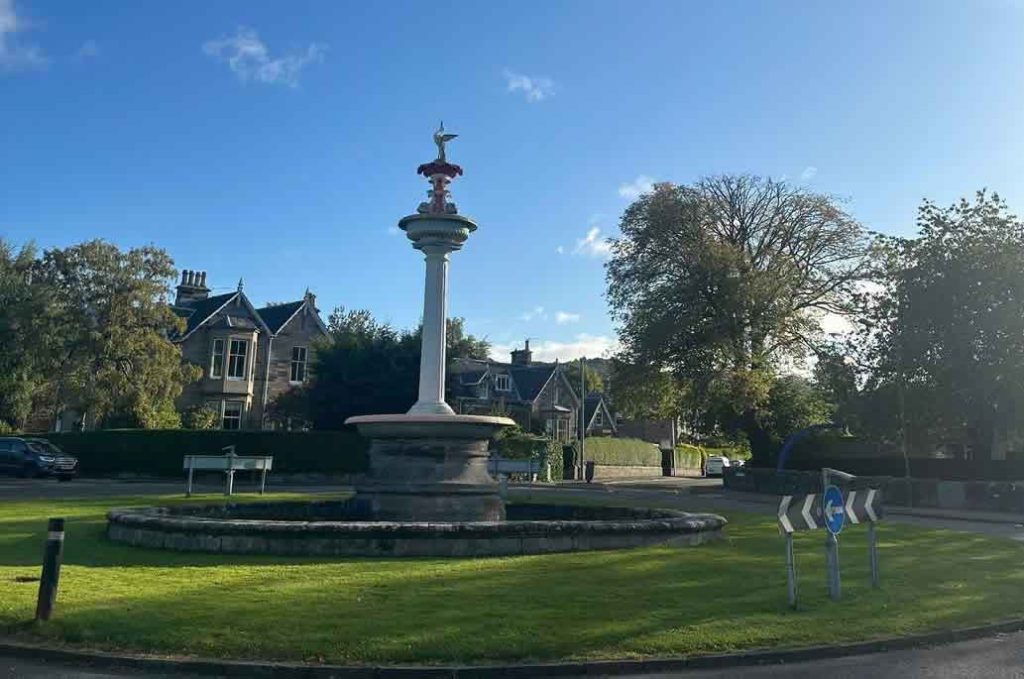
[
  {"x": 333, "y": 529},
  {"x": 429, "y": 468}
]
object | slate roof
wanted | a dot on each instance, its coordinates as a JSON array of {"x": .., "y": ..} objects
[
  {"x": 197, "y": 311},
  {"x": 530, "y": 379},
  {"x": 276, "y": 316}
]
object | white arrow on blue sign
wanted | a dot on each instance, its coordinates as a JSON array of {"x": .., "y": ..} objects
[{"x": 833, "y": 509}]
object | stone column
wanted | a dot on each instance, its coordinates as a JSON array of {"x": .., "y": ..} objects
[{"x": 433, "y": 348}]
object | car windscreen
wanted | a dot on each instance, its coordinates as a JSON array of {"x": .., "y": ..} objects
[{"x": 42, "y": 447}]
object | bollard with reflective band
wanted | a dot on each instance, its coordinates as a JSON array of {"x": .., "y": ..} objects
[{"x": 51, "y": 569}]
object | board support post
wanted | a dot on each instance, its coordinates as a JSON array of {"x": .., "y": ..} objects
[
  {"x": 873, "y": 554},
  {"x": 790, "y": 571}
]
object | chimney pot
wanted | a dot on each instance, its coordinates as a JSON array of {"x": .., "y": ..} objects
[
  {"x": 202, "y": 279},
  {"x": 183, "y": 274}
]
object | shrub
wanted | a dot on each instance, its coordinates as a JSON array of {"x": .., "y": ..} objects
[
  {"x": 160, "y": 452},
  {"x": 621, "y": 452},
  {"x": 689, "y": 456},
  {"x": 200, "y": 417}
]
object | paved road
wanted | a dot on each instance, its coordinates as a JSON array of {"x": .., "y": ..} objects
[{"x": 999, "y": 657}]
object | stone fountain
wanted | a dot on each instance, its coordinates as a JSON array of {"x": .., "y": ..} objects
[
  {"x": 430, "y": 464},
  {"x": 427, "y": 491}
]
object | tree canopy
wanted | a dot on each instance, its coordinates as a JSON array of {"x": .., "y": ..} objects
[{"x": 724, "y": 282}]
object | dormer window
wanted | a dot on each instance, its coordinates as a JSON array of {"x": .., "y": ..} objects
[{"x": 502, "y": 383}]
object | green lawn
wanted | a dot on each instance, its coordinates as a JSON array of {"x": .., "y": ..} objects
[{"x": 645, "y": 602}]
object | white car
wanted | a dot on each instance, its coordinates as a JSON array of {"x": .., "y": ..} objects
[{"x": 716, "y": 465}]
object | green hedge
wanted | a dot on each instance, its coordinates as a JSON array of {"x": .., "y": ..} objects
[
  {"x": 160, "y": 452},
  {"x": 689, "y": 456},
  {"x": 622, "y": 452}
]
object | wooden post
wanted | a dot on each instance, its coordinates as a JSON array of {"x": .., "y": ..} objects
[
  {"x": 263, "y": 478},
  {"x": 229, "y": 487},
  {"x": 51, "y": 569},
  {"x": 188, "y": 485}
]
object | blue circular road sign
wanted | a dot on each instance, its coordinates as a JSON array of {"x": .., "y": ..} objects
[{"x": 832, "y": 508}]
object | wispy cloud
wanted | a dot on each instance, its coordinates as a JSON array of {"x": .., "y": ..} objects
[
  {"x": 564, "y": 317},
  {"x": 536, "y": 312},
  {"x": 248, "y": 57},
  {"x": 639, "y": 186},
  {"x": 593, "y": 244},
  {"x": 393, "y": 231},
  {"x": 88, "y": 50},
  {"x": 809, "y": 173},
  {"x": 534, "y": 88},
  {"x": 560, "y": 250},
  {"x": 14, "y": 55},
  {"x": 591, "y": 346}
]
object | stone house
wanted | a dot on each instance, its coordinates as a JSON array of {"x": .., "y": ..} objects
[
  {"x": 249, "y": 356},
  {"x": 537, "y": 396}
]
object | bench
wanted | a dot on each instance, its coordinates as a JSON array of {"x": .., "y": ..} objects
[
  {"x": 229, "y": 464},
  {"x": 501, "y": 468}
]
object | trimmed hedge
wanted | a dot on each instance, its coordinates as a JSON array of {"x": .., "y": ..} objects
[
  {"x": 160, "y": 452},
  {"x": 622, "y": 452}
]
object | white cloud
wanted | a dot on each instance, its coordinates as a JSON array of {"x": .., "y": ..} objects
[
  {"x": 639, "y": 186},
  {"x": 536, "y": 312},
  {"x": 533, "y": 88},
  {"x": 593, "y": 244},
  {"x": 248, "y": 58},
  {"x": 560, "y": 250},
  {"x": 88, "y": 50},
  {"x": 591, "y": 346},
  {"x": 15, "y": 56},
  {"x": 393, "y": 231},
  {"x": 809, "y": 173},
  {"x": 563, "y": 317}
]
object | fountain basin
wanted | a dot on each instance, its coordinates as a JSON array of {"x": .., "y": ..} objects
[{"x": 337, "y": 529}]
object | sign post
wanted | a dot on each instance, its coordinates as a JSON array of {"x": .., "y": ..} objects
[
  {"x": 834, "y": 512},
  {"x": 866, "y": 507}
]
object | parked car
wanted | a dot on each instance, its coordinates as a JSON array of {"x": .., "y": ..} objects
[
  {"x": 716, "y": 465},
  {"x": 31, "y": 457}
]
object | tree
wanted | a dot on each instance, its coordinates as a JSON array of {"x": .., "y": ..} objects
[
  {"x": 643, "y": 393},
  {"x": 367, "y": 367},
  {"x": 115, "y": 363},
  {"x": 942, "y": 332},
  {"x": 28, "y": 335},
  {"x": 592, "y": 381},
  {"x": 723, "y": 283}
]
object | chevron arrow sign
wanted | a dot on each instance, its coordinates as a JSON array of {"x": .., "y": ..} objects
[
  {"x": 864, "y": 506},
  {"x": 800, "y": 512}
]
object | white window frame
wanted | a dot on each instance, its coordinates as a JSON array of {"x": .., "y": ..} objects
[
  {"x": 598, "y": 419},
  {"x": 500, "y": 380},
  {"x": 214, "y": 355},
  {"x": 244, "y": 356},
  {"x": 295, "y": 363},
  {"x": 224, "y": 414}
]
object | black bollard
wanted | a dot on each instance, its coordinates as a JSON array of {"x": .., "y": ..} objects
[{"x": 51, "y": 569}]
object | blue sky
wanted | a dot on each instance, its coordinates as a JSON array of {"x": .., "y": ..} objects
[{"x": 278, "y": 141}]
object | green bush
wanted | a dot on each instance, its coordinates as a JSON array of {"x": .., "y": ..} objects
[
  {"x": 622, "y": 452},
  {"x": 160, "y": 452},
  {"x": 689, "y": 456}
]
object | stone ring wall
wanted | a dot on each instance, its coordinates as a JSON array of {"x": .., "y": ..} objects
[{"x": 328, "y": 529}]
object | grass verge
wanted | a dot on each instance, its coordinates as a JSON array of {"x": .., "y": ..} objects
[{"x": 633, "y": 603}]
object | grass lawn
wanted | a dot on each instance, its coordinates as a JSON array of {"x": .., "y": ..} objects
[{"x": 644, "y": 602}]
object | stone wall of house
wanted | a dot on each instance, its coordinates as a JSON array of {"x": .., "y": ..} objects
[
  {"x": 302, "y": 331},
  {"x": 557, "y": 392}
]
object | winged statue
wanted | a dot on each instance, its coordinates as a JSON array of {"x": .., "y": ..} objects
[{"x": 440, "y": 138}]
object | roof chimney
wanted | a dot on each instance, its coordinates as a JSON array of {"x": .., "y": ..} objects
[
  {"x": 192, "y": 288},
  {"x": 522, "y": 356}
]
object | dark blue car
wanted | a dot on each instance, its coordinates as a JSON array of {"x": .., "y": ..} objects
[{"x": 32, "y": 457}]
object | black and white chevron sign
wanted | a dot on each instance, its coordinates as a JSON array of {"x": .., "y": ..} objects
[
  {"x": 863, "y": 506},
  {"x": 800, "y": 512}
]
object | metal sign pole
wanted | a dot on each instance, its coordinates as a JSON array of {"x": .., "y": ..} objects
[
  {"x": 832, "y": 566},
  {"x": 873, "y": 554},
  {"x": 790, "y": 571}
]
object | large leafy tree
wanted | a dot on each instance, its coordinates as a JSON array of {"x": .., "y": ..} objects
[
  {"x": 368, "y": 367},
  {"x": 724, "y": 282},
  {"x": 28, "y": 339},
  {"x": 114, "y": 362},
  {"x": 942, "y": 332}
]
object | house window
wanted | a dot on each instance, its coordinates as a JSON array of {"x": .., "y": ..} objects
[
  {"x": 598, "y": 419},
  {"x": 236, "y": 359},
  {"x": 298, "y": 373},
  {"x": 232, "y": 417},
  {"x": 503, "y": 383},
  {"x": 217, "y": 359}
]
